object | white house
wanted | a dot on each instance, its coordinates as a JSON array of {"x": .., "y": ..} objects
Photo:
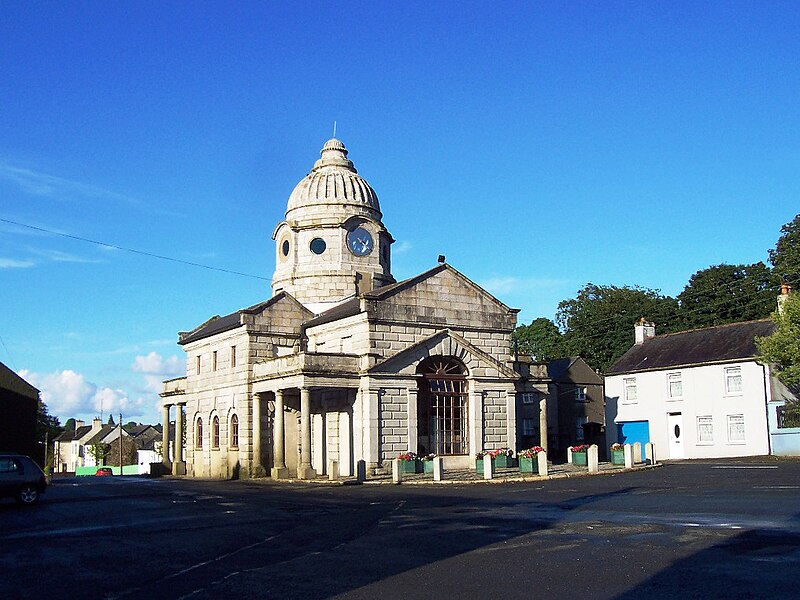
[{"x": 694, "y": 394}]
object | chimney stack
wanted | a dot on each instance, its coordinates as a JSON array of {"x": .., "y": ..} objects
[{"x": 644, "y": 331}]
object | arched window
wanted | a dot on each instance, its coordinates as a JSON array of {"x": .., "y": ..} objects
[
  {"x": 198, "y": 433},
  {"x": 215, "y": 432},
  {"x": 234, "y": 431},
  {"x": 442, "y": 406}
]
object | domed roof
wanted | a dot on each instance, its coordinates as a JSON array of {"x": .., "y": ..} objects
[{"x": 333, "y": 180}]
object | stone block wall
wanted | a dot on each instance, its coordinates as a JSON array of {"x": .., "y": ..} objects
[
  {"x": 393, "y": 417},
  {"x": 495, "y": 432}
]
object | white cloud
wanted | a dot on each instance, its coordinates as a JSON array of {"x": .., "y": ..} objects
[
  {"x": 509, "y": 285},
  {"x": 155, "y": 364},
  {"x": 109, "y": 401},
  {"x": 10, "y": 263},
  {"x": 402, "y": 247},
  {"x": 64, "y": 392},
  {"x": 59, "y": 256}
]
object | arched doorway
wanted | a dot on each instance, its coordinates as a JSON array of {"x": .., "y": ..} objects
[{"x": 442, "y": 406}]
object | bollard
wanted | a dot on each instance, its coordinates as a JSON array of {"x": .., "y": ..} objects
[
  {"x": 569, "y": 455},
  {"x": 650, "y": 453},
  {"x": 488, "y": 467},
  {"x": 333, "y": 470},
  {"x": 637, "y": 452},
  {"x": 627, "y": 451},
  {"x": 592, "y": 460},
  {"x": 361, "y": 471},
  {"x": 438, "y": 468},
  {"x": 397, "y": 474},
  {"x": 542, "y": 458}
]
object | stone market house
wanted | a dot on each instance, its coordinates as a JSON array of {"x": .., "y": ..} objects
[{"x": 343, "y": 363}]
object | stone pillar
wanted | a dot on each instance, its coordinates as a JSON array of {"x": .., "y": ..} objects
[
  {"x": 438, "y": 468},
  {"x": 569, "y": 455},
  {"x": 178, "y": 464},
  {"x": 346, "y": 443},
  {"x": 542, "y": 459},
  {"x": 592, "y": 459},
  {"x": 165, "y": 434},
  {"x": 627, "y": 452},
  {"x": 413, "y": 436},
  {"x": 304, "y": 470},
  {"x": 371, "y": 423},
  {"x": 279, "y": 470},
  {"x": 650, "y": 453},
  {"x": 333, "y": 470},
  {"x": 488, "y": 467},
  {"x": 511, "y": 419},
  {"x": 543, "y": 424},
  {"x": 257, "y": 469},
  {"x": 361, "y": 471},
  {"x": 637, "y": 452},
  {"x": 397, "y": 474},
  {"x": 319, "y": 437},
  {"x": 475, "y": 410}
]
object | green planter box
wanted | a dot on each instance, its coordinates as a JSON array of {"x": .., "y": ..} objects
[
  {"x": 502, "y": 461},
  {"x": 479, "y": 465},
  {"x": 410, "y": 466},
  {"x": 427, "y": 466},
  {"x": 528, "y": 465},
  {"x": 579, "y": 459},
  {"x": 617, "y": 457}
]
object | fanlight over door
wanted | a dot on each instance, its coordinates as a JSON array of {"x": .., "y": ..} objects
[{"x": 442, "y": 406}]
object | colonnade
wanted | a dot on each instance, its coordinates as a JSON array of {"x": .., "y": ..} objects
[{"x": 175, "y": 462}]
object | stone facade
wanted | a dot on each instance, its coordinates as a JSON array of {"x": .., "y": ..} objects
[{"x": 343, "y": 363}]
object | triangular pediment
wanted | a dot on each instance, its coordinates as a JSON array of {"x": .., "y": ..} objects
[{"x": 445, "y": 343}]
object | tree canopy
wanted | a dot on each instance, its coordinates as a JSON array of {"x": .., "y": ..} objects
[
  {"x": 782, "y": 348},
  {"x": 541, "y": 339},
  {"x": 598, "y": 323},
  {"x": 728, "y": 294},
  {"x": 785, "y": 257}
]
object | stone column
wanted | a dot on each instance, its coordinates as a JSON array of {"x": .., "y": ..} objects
[
  {"x": 279, "y": 470},
  {"x": 178, "y": 466},
  {"x": 650, "y": 453},
  {"x": 319, "y": 435},
  {"x": 543, "y": 423},
  {"x": 257, "y": 469},
  {"x": 413, "y": 436},
  {"x": 165, "y": 434},
  {"x": 475, "y": 410},
  {"x": 371, "y": 426},
  {"x": 305, "y": 471},
  {"x": 345, "y": 443},
  {"x": 511, "y": 419},
  {"x": 542, "y": 459},
  {"x": 592, "y": 459}
]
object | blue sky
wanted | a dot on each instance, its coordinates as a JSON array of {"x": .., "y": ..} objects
[{"x": 539, "y": 146}]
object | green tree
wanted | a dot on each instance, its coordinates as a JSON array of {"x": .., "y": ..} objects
[
  {"x": 598, "y": 323},
  {"x": 47, "y": 429},
  {"x": 781, "y": 350},
  {"x": 541, "y": 339},
  {"x": 727, "y": 294},
  {"x": 98, "y": 451},
  {"x": 785, "y": 257}
]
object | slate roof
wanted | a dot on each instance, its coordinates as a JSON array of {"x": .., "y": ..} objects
[
  {"x": 558, "y": 367},
  {"x": 219, "y": 324},
  {"x": 13, "y": 382},
  {"x": 75, "y": 434},
  {"x": 724, "y": 343}
]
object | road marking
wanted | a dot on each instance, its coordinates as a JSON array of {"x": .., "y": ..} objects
[
  {"x": 745, "y": 467},
  {"x": 71, "y": 530},
  {"x": 776, "y": 487}
]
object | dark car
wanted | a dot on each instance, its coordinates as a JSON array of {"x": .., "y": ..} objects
[{"x": 21, "y": 478}]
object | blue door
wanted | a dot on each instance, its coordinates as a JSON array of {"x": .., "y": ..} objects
[{"x": 631, "y": 432}]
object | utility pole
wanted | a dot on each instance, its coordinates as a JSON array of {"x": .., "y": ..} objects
[{"x": 120, "y": 443}]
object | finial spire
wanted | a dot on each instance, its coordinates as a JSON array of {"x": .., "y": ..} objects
[{"x": 334, "y": 129}]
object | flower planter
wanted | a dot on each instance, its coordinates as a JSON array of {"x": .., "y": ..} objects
[
  {"x": 427, "y": 466},
  {"x": 501, "y": 461},
  {"x": 410, "y": 466},
  {"x": 528, "y": 465},
  {"x": 479, "y": 465},
  {"x": 579, "y": 459},
  {"x": 617, "y": 457}
]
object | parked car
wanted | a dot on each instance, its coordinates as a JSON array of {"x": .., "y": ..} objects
[
  {"x": 21, "y": 478},
  {"x": 103, "y": 472}
]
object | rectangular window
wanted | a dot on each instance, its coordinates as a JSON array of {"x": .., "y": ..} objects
[
  {"x": 233, "y": 357},
  {"x": 736, "y": 429},
  {"x": 214, "y": 361},
  {"x": 705, "y": 430},
  {"x": 528, "y": 398},
  {"x": 630, "y": 390},
  {"x": 579, "y": 423},
  {"x": 733, "y": 380},
  {"x": 528, "y": 427},
  {"x": 675, "y": 386},
  {"x": 580, "y": 394},
  {"x": 197, "y": 364}
]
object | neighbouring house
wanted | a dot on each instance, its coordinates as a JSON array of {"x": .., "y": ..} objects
[
  {"x": 19, "y": 405},
  {"x": 69, "y": 448},
  {"x": 579, "y": 404},
  {"x": 694, "y": 394},
  {"x": 344, "y": 363}
]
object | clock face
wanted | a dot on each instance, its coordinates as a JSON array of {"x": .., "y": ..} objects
[{"x": 359, "y": 241}]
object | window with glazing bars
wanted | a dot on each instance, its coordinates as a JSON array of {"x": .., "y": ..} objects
[{"x": 447, "y": 415}]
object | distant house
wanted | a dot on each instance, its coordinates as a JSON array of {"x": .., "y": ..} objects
[
  {"x": 19, "y": 405},
  {"x": 695, "y": 394},
  {"x": 69, "y": 448},
  {"x": 579, "y": 404}
]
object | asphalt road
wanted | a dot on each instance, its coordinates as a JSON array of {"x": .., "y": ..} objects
[{"x": 714, "y": 529}]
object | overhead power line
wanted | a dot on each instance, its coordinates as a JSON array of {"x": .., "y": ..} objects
[{"x": 133, "y": 250}]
